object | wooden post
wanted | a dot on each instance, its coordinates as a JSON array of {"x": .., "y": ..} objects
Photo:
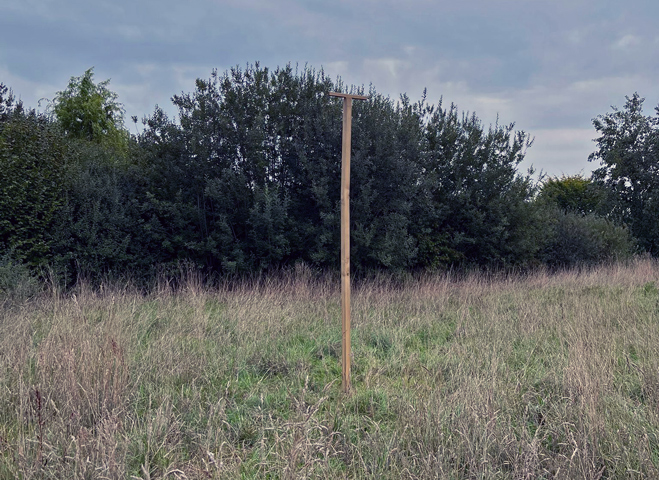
[{"x": 345, "y": 233}]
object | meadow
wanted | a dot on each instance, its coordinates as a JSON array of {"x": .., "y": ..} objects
[{"x": 476, "y": 376}]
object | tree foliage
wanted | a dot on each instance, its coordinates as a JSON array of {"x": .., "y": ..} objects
[
  {"x": 424, "y": 182},
  {"x": 477, "y": 207},
  {"x": 574, "y": 240},
  {"x": 91, "y": 111},
  {"x": 32, "y": 160},
  {"x": 247, "y": 179},
  {"x": 7, "y": 100},
  {"x": 628, "y": 152},
  {"x": 575, "y": 194}
]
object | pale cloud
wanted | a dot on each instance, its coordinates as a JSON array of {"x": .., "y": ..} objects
[
  {"x": 564, "y": 150},
  {"x": 627, "y": 41},
  {"x": 30, "y": 92},
  {"x": 576, "y": 36},
  {"x": 616, "y": 86},
  {"x": 550, "y": 67},
  {"x": 130, "y": 33},
  {"x": 385, "y": 67}
]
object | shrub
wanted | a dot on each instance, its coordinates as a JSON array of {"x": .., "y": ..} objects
[
  {"x": 585, "y": 240},
  {"x": 16, "y": 280}
]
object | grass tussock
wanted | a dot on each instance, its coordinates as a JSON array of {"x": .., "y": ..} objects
[{"x": 511, "y": 377}]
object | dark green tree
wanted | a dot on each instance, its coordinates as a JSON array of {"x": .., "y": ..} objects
[
  {"x": 574, "y": 239},
  {"x": 267, "y": 145},
  {"x": 475, "y": 208},
  {"x": 256, "y": 144},
  {"x": 385, "y": 182},
  {"x": 172, "y": 209},
  {"x": 628, "y": 152},
  {"x": 98, "y": 230},
  {"x": 7, "y": 102},
  {"x": 32, "y": 164},
  {"x": 248, "y": 180},
  {"x": 578, "y": 231},
  {"x": 257, "y": 153}
]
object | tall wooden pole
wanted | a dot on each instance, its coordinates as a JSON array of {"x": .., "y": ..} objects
[{"x": 345, "y": 233}]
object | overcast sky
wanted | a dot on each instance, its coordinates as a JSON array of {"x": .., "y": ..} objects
[{"x": 550, "y": 66}]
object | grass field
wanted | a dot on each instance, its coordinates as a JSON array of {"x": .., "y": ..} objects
[{"x": 537, "y": 376}]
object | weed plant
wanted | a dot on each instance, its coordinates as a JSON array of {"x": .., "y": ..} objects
[{"x": 511, "y": 377}]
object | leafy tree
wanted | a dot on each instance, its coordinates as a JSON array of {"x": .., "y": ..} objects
[
  {"x": 7, "y": 102},
  {"x": 258, "y": 148},
  {"x": 577, "y": 232},
  {"x": 628, "y": 151},
  {"x": 32, "y": 161},
  {"x": 574, "y": 194},
  {"x": 90, "y": 111},
  {"x": 172, "y": 209},
  {"x": 474, "y": 207},
  {"x": 269, "y": 222},
  {"x": 386, "y": 174},
  {"x": 257, "y": 157},
  {"x": 248, "y": 180},
  {"x": 95, "y": 228},
  {"x": 267, "y": 146}
]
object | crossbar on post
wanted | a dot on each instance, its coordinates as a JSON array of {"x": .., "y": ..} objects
[{"x": 345, "y": 232}]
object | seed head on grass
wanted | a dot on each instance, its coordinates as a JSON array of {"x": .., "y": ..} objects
[{"x": 539, "y": 375}]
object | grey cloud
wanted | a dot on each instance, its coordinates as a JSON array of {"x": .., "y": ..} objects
[{"x": 548, "y": 66}]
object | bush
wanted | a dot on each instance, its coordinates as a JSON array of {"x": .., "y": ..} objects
[
  {"x": 16, "y": 280},
  {"x": 585, "y": 240},
  {"x": 32, "y": 159}
]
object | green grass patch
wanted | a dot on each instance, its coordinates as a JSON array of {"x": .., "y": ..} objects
[{"x": 541, "y": 376}]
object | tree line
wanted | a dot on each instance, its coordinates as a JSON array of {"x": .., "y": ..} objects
[{"x": 246, "y": 179}]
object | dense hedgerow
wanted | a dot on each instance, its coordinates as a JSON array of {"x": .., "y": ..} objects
[{"x": 246, "y": 180}]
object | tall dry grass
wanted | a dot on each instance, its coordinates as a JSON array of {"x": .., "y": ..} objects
[{"x": 502, "y": 376}]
